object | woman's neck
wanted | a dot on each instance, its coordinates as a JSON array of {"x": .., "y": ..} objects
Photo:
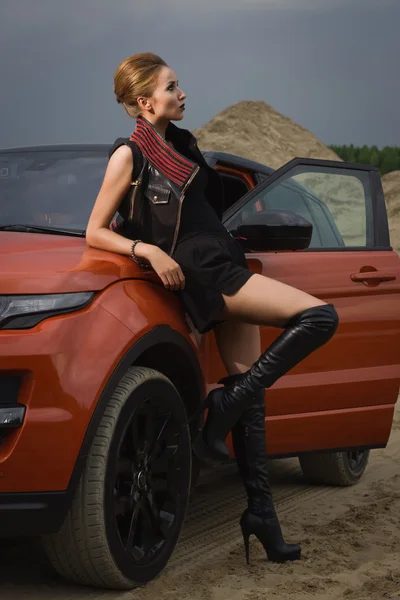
[{"x": 159, "y": 125}]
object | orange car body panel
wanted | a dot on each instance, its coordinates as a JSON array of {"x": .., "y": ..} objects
[
  {"x": 46, "y": 264},
  {"x": 66, "y": 362},
  {"x": 342, "y": 395}
]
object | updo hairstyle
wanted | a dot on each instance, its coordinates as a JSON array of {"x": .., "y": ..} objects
[{"x": 136, "y": 76}]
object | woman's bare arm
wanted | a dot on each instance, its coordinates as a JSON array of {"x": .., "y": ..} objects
[{"x": 115, "y": 186}]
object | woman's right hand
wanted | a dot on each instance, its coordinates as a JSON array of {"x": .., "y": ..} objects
[{"x": 166, "y": 268}]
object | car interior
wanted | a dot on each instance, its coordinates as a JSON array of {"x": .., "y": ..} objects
[{"x": 234, "y": 188}]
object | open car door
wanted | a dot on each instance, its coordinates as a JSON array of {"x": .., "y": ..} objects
[{"x": 343, "y": 395}]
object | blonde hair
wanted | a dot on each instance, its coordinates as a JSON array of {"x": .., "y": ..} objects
[{"x": 136, "y": 76}]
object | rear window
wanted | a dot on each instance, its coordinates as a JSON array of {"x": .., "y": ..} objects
[{"x": 56, "y": 189}]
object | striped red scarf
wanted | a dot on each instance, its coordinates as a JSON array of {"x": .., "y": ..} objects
[{"x": 165, "y": 159}]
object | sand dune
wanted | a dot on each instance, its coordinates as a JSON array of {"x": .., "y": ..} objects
[{"x": 256, "y": 131}]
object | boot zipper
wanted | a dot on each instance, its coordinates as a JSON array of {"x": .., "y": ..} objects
[
  {"x": 133, "y": 196},
  {"x": 181, "y": 199}
]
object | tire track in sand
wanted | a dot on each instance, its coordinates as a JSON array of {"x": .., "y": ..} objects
[
  {"x": 212, "y": 529},
  {"x": 211, "y": 533}
]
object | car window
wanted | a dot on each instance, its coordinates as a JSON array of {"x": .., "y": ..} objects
[
  {"x": 56, "y": 189},
  {"x": 325, "y": 231},
  {"x": 287, "y": 198},
  {"x": 337, "y": 202}
]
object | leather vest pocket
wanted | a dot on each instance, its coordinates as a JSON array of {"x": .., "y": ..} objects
[{"x": 158, "y": 194}]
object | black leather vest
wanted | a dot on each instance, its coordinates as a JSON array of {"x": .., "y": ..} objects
[{"x": 151, "y": 211}]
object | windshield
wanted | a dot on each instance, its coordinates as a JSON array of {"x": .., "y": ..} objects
[{"x": 52, "y": 189}]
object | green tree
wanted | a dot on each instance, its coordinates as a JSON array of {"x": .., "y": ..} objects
[
  {"x": 386, "y": 159},
  {"x": 364, "y": 155},
  {"x": 374, "y": 157}
]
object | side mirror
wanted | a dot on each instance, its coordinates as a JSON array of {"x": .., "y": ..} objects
[{"x": 274, "y": 230}]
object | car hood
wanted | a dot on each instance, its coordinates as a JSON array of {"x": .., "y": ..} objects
[{"x": 32, "y": 263}]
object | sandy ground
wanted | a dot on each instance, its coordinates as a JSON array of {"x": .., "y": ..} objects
[{"x": 350, "y": 539}]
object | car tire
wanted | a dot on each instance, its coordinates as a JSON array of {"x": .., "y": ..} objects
[
  {"x": 335, "y": 468},
  {"x": 129, "y": 507}
]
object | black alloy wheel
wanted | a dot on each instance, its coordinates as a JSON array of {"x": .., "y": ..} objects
[
  {"x": 146, "y": 497},
  {"x": 129, "y": 508},
  {"x": 357, "y": 460}
]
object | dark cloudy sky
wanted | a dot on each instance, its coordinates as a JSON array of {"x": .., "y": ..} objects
[{"x": 331, "y": 65}]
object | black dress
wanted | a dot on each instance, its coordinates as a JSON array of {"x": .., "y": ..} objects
[{"x": 212, "y": 261}]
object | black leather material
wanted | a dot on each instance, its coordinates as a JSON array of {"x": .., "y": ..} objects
[
  {"x": 249, "y": 444},
  {"x": 158, "y": 194},
  {"x": 303, "y": 334},
  {"x": 268, "y": 532},
  {"x": 157, "y": 222},
  {"x": 260, "y": 518}
]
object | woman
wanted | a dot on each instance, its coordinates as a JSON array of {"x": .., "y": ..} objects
[{"x": 174, "y": 211}]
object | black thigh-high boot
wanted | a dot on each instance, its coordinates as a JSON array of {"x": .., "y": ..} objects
[
  {"x": 304, "y": 333},
  {"x": 259, "y": 518}
]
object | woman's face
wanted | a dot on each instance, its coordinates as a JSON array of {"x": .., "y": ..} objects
[{"x": 167, "y": 101}]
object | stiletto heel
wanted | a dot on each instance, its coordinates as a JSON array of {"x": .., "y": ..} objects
[
  {"x": 268, "y": 532},
  {"x": 260, "y": 518},
  {"x": 246, "y": 538}
]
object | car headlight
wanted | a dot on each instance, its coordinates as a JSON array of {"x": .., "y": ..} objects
[{"x": 22, "y": 312}]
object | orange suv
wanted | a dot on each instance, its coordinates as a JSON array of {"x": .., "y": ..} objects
[{"x": 101, "y": 371}]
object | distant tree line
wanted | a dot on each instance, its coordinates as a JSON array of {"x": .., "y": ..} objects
[{"x": 387, "y": 159}]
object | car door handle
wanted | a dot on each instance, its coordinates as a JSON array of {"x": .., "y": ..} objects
[{"x": 373, "y": 276}]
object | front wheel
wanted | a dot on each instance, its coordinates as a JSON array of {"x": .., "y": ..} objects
[
  {"x": 335, "y": 468},
  {"x": 128, "y": 510}
]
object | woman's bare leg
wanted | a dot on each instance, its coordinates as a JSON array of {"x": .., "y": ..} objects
[
  {"x": 261, "y": 301},
  {"x": 238, "y": 345},
  {"x": 265, "y": 301},
  {"x": 308, "y": 323}
]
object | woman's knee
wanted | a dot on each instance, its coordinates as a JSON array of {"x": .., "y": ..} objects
[{"x": 322, "y": 318}]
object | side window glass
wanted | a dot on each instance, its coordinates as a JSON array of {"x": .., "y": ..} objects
[
  {"x": 336, "y": 201},
  {"x": 325, "y": 232},
  {"x": 286, "y": 197}
]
